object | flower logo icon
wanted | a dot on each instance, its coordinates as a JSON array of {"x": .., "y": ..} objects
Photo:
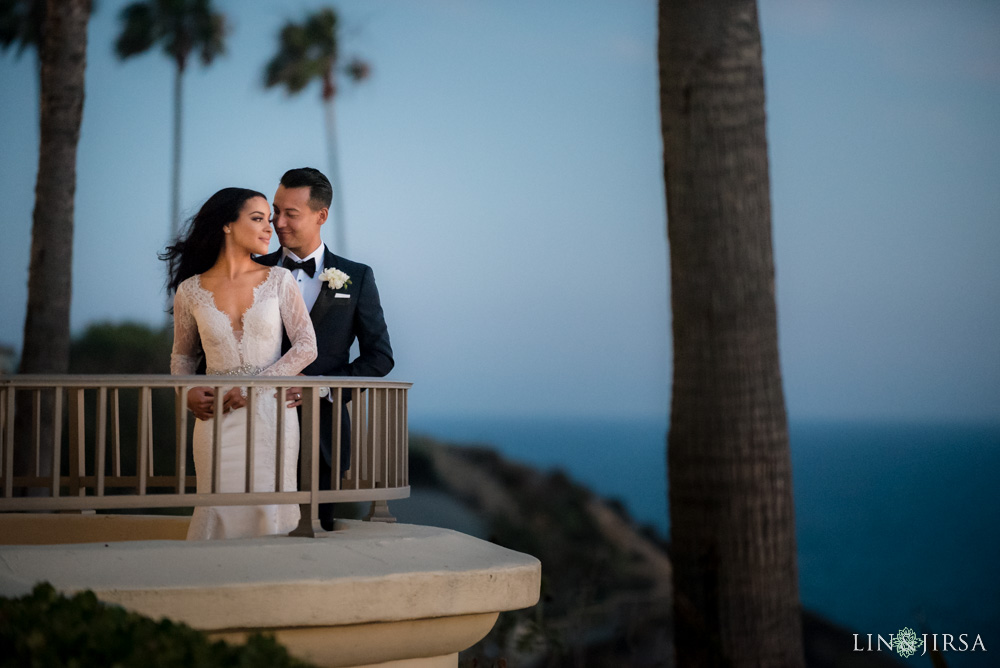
[{"x": 907, "y": 643}]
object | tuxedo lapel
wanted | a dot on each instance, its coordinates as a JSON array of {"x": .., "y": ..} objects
[{"x": 326, "y": 295}]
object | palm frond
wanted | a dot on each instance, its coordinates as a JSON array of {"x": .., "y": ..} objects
[
  {"x": 306, "y": 51},
  {"x": 321, "y": 32},
  {"x": 138, "y": 30},
  {"x": 180, "y": 26},
  {"x": 21, "y": 24},
  {"x": 212, "y": 37}
]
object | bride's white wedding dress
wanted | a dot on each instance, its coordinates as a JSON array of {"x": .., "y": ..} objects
[{"x": 256, "y": 350}]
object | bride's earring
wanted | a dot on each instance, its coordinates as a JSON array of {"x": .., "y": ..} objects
[{"x": 226, "y": 230}]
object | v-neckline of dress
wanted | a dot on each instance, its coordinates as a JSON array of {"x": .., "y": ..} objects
[{"x": 229, "y": 320}]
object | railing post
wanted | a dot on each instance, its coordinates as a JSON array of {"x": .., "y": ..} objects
[
  {"x": 379, "y": 512},
  {"x": 309, "y": 523}
]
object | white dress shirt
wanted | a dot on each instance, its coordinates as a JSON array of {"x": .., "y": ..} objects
[{"x": 309, "y": 287}]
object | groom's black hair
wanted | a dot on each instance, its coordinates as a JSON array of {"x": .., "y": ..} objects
[{"x": 320, "y": 190}]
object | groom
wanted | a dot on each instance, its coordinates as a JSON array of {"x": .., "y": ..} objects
[{"x": 301, "y": 206}]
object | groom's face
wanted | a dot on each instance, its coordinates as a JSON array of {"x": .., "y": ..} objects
[{"x": 296, "y": 223}]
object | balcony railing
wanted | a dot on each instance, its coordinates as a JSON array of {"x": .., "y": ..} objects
[{"x": 112, "y": 461}]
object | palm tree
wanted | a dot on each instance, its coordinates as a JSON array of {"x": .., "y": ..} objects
[
  {"x": 63, "y": 60},
  {"x": 309, "y": 51},
  {"x": 731, "y": 510},
  {"x": 182, "y": 27}
]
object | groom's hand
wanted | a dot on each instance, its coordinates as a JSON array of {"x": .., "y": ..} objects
[
  {"x": 200, "y": 401},
  {"x": 293, "y": 395},
  {"x": 232, "y": 400}
]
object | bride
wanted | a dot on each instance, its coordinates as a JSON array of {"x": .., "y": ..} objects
[{"x": 233, "y": 310}]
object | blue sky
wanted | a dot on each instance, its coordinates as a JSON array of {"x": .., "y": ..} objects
[{"x": 502, "y": 175}]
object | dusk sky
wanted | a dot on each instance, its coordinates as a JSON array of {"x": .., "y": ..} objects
[{"x": 502, "y": 175}]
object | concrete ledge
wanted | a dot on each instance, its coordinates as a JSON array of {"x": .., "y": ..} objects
[
  {"x": 366, "y": 572},
  {"x": 63, "y": 528},
  {"x": 410, "y": 591}
]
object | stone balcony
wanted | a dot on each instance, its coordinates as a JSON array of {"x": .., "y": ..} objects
[{"x": 367, "y": 594}]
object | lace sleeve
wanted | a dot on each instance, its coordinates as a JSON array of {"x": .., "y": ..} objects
[
  {"x": 298, "y": 326},
  {"x": 186, "y": 351}
]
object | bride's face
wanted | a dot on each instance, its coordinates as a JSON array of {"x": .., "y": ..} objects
[{"x": 252, "y": 230}]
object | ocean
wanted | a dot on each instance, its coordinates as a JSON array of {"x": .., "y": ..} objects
[{"x": 898, "y": 525}]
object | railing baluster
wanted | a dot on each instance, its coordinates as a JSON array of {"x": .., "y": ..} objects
[
  {"x": 3, "y": 428},
  {"x": 56, "y": 440},
  {"x": 381, "y": 444},
  {"x": 36, "y": 421},
  {"x": 8, "y": 465},
  {"x": 400, "y": 436},
  {"x": 149, "y": 431},
  {"x": 116, "y": 433},
  {"x": 217, "y": 442},
  {"x": 406, "y": 437},
  {"x": 5, "y": 443},
  {"x": 279, "y": 425},
  {"x": 336, "y": 475},
  {"x": 100, "y": 438},
  {"x": 180, "y": 421},
  {"x": 365, "y": 440},
  {"x": 369, "y": 443},
  {"x": 77, "y": 444},
  {"x": 357, "y": 429},
  {"x": 373, "y": 465},
  {"x": 142, "y": 447},
  {"x": 392, "y": 438},
  {"x": 250, "y": 449}
]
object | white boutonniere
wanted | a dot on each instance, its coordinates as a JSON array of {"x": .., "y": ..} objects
[{"x": 335, "y": 278}]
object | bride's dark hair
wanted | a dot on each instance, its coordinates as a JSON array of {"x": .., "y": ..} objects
[{"x": 197, "y": 248}]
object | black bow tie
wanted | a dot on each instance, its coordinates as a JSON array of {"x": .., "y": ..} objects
[{"x": 309, "y": 266}]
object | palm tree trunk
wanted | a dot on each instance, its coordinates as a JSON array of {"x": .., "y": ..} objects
[
  {"x": 175, "y": 175},
  {"x": 46, "y": 325},
  {"x": 731, "y": 510},
  {"x": 340, "y": 225}
]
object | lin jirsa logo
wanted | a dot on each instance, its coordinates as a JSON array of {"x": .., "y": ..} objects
[{"x": 907, "y": 643}]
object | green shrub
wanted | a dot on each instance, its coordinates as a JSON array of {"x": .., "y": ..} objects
[{"x": 46, "y": 628}]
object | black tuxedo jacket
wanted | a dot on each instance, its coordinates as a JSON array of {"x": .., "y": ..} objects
[{"x": 338, "y": 321}]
